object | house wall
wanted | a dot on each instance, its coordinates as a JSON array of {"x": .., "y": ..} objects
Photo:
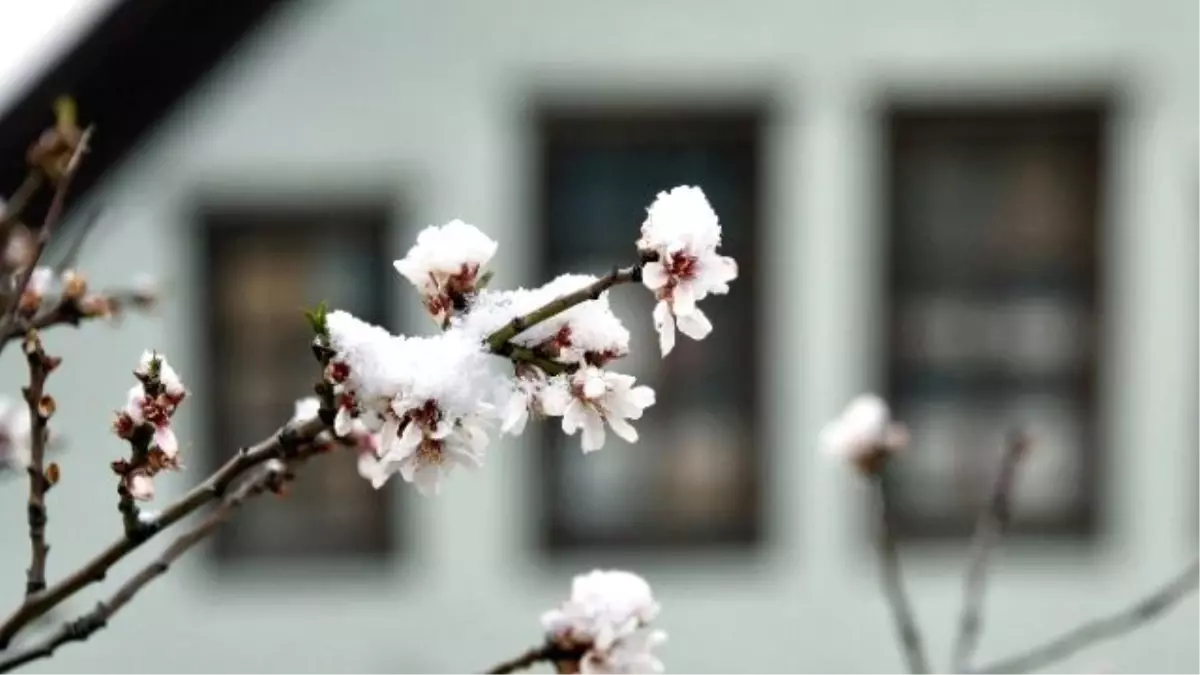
[{"x": 427, "y": 101}]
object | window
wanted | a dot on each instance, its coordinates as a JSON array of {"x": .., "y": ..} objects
[
  {"x": 994, "y": 309},
  {"x": 695, "y": 477},
  {"x": 263, "y": 265}
]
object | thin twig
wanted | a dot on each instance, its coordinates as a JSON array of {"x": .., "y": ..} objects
[
  {"x": 893, "y": 585},
  {"x": 53, "y": 214},
  {"x": 41, "y": 407},
  {"x": 83, "y": 627},
  {"x": 993, "y": 521},
  {"x": 1102, "y": 629},
  {"x": 535, "y": 655},
  {"x": 73, "y": 311},
  {"x": 619, "y": 275},
  {"x": 290, "y": 441},
  {"x": 20, "y": 199}
]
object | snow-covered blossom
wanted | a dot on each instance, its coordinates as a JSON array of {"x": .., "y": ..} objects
[
  {"x": 588, "y": 333},
  {"x": 165, "y": 374},
  {"x": 16, "y": 434},
  {"x": 444, "y": 264},
  {"x": 145, "y": 421},
  {"x": 590, "y": 397},
  {"x": 864, "y": 431},
  {"x": 682, "y": 232},
  {"x": 426, "y": 396},
  {"x": 606, "y": 619}
]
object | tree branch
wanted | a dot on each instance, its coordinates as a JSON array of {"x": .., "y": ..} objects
[
  {"x": 497, "y": 340},
  {"x": 41, "y": 407},
  {"x": 291, "y": 441},
  {"x": 1102, "y": 629},
  {"x": 20, "y": 199},
  {"x": 531, "y": 657},
  {"x": 83, "y": 627},
  {"x": 68, "y": 311},
  {"x": 893, "y": 585},
  {"x": 993, "y": 521},
  {"x": 53, "y": 215}
]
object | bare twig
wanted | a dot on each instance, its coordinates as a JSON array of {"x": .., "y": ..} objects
[
  {"x": 20, "y": 199},
  {"x": 41, "y": 407},
  {"x": 57, "y": 205},
  {"x": 893, "y": 584},
  {"x": 993, "y": 521},
  {"x": 291, "y": 441},
  {"x": 82, "y": 628},
  {"x": 619, "y": 275},
  {"x": 531, "y": 657},
  {"x": 1102, "y": 629},
  {"x": 68, "y": 311}
]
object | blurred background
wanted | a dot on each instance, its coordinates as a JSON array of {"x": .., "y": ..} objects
[{"x": 985, "y": 211}]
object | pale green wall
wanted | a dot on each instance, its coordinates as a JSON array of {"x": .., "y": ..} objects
[{"x": 424, "y": 99}]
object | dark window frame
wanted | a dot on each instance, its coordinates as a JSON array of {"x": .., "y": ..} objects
[
  {"x": 1090, "y": 115},
  {"x": 556, "y": 124},
  {"x": 215, "y": 217}
]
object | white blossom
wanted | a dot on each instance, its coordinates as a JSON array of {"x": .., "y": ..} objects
[
  {"x": 607, "y": 617},
  {"x": 682, "y": 231},
  {"x": 590, "y": 397},
  {"x": 141, "y": 487},
  {"x": 156, "y": 410},
  {"x": 16, "y": 434},
  {"x": 171, "y": 383},
  {"x": 446, "y": 261},
  {"x": 41, "y": 279},
  {"x": 523, "y": 399},
  {"x": 426, "y": 396},
  {"x": 589, "y": 332},
  {"x": 863, "y": 429}
]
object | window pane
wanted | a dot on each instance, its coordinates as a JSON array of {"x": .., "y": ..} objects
[
  {"x": 263, "y": 267},
  {"x": 993, "y": 306},
  {"x": 694, "y": 476}
]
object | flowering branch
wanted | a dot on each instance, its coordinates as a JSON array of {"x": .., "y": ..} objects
[
  {"x": 271, "y": 477},
  {"x": 1102, "y": 629},
  {"x": 893, "y": 584},
  {"x": 291, "y": 441},
  {"x": 993, "y": 521},
  {"x": 533, "y": 656},
  {"x": 41, "y": 407},
  {"x": 497, "y": 340}
]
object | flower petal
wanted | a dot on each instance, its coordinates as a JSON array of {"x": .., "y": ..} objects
[
  {"x": 623, "y": 429},
  {"x": 694, "y": 324},
  {"x": 593, "y": 431},
  {"x": 664, "y": 323},
  {"x": 654, "y": 275}
]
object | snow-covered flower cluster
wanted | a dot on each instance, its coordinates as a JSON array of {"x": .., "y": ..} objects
[
  {"x": 606, "y": 621},
  {"x": 682, "y": 231},
  {"x": 445, "y": 263},
  {"x": 504, "y": 356},
  {"x": 864, "y": 433},
  {"x": 145, "y": 422}
]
